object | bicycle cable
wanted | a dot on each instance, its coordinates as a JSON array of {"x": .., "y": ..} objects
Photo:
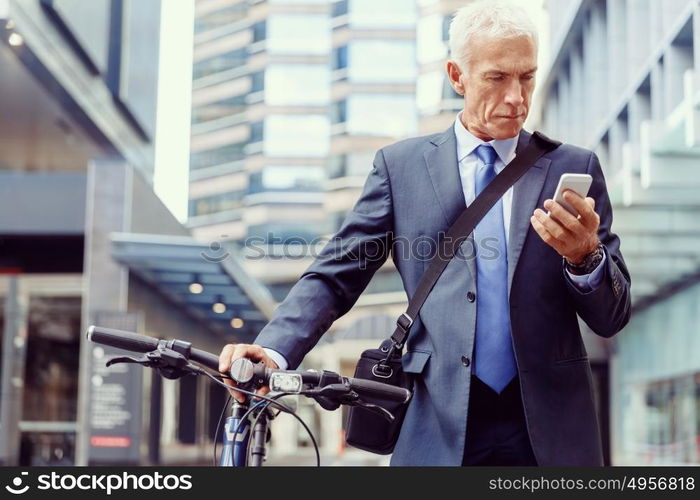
[
  {"x": 269, "y": 400},
  {"x": 218, "y": 427}
]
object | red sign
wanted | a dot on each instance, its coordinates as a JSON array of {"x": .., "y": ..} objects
[{"x": 110, "y": 441}]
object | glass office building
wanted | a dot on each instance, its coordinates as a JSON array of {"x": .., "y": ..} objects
[
  {"x": 623, "y": 81},
  {"x": 260, "y": 128},
  {"x": 437, "y": 102},
  {"x": 85, "y": 240}
]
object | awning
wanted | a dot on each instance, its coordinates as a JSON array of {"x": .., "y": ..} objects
[{"x": 208, "y": 282}]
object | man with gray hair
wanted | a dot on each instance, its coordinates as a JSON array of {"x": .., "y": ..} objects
[{"x": 500, "y": 372}]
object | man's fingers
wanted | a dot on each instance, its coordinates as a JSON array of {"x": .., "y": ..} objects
[
  {"x": 563, "y": 216},
  {"x": 551, "y": 225},
  {"x": 544, "y": 233},
  {"x": 232, "y": 352},
  {"x": 225, "y": 357},
  {"x": 587, "y": 215}
]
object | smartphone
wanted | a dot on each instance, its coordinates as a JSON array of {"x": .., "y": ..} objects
[{"x": 578, "y": 183}]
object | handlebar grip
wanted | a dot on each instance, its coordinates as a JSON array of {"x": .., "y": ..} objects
[
  {"x": 205, "y": 358},
  {"x": 380, "y": 390},
  {"x": 123, "y": 340}
]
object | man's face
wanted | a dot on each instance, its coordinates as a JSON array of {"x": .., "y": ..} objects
[{"x": 497, "y": 86}]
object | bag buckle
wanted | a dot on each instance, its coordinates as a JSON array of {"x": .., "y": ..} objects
[
  {"x": 382, "y": 371},
  {"x": 404, "y": 322}
]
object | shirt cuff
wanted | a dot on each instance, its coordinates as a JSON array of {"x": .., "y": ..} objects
[
  {"x": 277, "y": 358},
  {"x": 588, "y": 282}
]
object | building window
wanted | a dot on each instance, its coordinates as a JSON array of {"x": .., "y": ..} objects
[
  {"x": 350, "y": 165},
  {"x": 382, "y": 14},
  {"x": 430, "y": 45},
  {"x": 296, "y": 135},
  {"x": 220, "y": 17},
  {"x": 279, "y": 233},
  {"x": 259, "y": 31},
  {"x": 297, "y": 84},
  {"x": 287, "y": 179},
  {"x": 216, "y": 203},
  {"x": 337, "y": 166},
  {"x": 308, "y": 34},
  {"x": 382, "y": 61},
  {"x": 256, "y": 132},
  {"x": 257, "y": 82},
  {"x": 387, "y": 115},
  {"x": 219, "y": 63},
  {"x": 218, "y": 109},
  {"x": 340, "y": 8},
  {"x": 339, "y": 112},
  {"x": 446, "y": 21},
  {"x": 218, "y": 156},
  {"x": 340, "y": 57}
]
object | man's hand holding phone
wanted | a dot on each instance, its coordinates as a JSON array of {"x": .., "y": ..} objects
[{"x": 572, "y": 235}]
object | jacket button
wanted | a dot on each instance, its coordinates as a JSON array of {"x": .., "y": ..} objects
[
  {"x": 471, "y": 296},
  {"x": 466, "y": 361}
]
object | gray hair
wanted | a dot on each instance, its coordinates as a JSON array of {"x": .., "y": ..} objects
[{"x": 492, "y": 19}]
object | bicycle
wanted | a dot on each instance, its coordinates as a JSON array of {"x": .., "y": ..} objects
[{"x": 174, "y": 359}]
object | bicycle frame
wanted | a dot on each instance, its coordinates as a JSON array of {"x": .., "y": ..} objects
[{"x": 235, "y": 448}]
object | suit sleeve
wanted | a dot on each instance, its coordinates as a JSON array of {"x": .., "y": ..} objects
[
  {"x": 334, "y": 281},
  {"x": 605, "y": 309}
]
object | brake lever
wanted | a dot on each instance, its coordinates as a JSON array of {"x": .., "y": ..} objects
[
  {"x": 170, "y": 364},
  {"x": 141, "y": 360}
]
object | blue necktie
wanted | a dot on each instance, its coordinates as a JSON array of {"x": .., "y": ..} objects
[{"x": 495, "y": 361}]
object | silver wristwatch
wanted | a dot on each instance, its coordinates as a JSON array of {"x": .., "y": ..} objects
[{"x": 589, "y": 263}]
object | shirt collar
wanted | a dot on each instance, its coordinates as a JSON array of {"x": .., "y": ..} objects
[{"x": 468, "y": 142}]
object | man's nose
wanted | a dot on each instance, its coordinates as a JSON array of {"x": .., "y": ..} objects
[{"x": 514, "y": 94}]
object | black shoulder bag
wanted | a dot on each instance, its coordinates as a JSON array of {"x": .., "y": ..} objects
[{"x": 367, "y": 428}]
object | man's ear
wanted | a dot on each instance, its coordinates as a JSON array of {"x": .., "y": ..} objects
[{"x": 454, "y": 74}]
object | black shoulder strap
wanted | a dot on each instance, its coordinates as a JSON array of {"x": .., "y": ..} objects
[{"x": 538, "y": 146}]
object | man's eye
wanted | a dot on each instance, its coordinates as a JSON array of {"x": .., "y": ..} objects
[
  {"x": 528, "y": 77},
  {"x": 496, "y": 78}
]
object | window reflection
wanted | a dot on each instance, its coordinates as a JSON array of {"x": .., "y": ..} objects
[
  {"x": 298, "y": 34},
  {"x": 218, "y": 156},
  {"x": 296, "y": 135},
  {"x": 216, "y": 203},
  {"x": 386, "y": 13},
  {"x": 51, "y": 382},
  {"x": 296, "y": 84},
  {"x": 662, "y": 422},
  {"x": 220, "y": 17},
  {"x": 381, "y": 114},
  {"x": 430, "y": 44},
  {"x": 382, "y": 61},
  {"x": 219, "y": 63},
  {"x": 287, "y": 178}
]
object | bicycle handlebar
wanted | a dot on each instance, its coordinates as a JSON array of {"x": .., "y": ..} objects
[
  {"x": 244, "y": 371},
  {"x": 135, "y": 342}
]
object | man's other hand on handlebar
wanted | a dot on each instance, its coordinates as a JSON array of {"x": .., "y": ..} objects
[{"x": 255, "y": 353}]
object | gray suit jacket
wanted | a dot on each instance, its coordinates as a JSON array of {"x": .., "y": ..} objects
[{"x": 414, "y": 192}]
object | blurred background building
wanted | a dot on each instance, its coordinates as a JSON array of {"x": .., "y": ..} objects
[
  {"x": 84, "y": 240},
  {"x": 623, "y": 81}
]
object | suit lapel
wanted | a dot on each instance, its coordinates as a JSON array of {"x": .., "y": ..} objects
[
  {"x": 526, "y": 192},
  {"x": 441, "y": 162},
  {"x": 444, "y": 175}
]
